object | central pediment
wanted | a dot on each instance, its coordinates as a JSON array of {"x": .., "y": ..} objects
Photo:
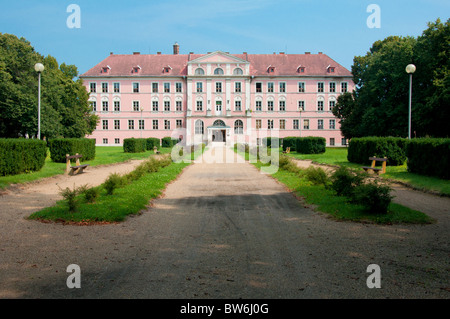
[{"x": 218, "y": 57}]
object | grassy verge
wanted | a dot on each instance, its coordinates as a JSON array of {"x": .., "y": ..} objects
[
  {"x": 338, "y": 156},
  {"x": 125, "y": 201},
  {"x": 338, "y": 207},
  {"x": 104, "y": 155}
]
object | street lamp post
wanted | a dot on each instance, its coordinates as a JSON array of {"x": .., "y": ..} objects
[
  {"x": 410, "y": 68},
  {"x": 39, "y": 67},
  {"x": 140, "y": 124}
]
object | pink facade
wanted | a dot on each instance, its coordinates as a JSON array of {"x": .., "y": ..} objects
[{"x": 216, "y": 97}]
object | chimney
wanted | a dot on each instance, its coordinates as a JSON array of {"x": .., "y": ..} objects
[
  {"x": 307, "y": 52},
  {"x": 176, "y": 48},
  {"x": 136, "y": 53},
  {"x": 111, "y": 53},
  {"x": 281, "y": 52},
  {"x": 320, "y": 52},
  {"x": 158, "y": 53}
]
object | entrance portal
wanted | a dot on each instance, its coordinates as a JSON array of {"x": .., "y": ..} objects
[{"x": 219, "y": 136}]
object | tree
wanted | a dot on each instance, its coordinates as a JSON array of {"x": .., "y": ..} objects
[
  {"x": 65, "y": 110},
  {"x": 379, "y": 104}
]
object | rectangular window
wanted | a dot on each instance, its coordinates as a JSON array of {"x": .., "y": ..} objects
[
  {"x": 117, "y": 140},
  {"x": 320, "y": 87},
  {"x": 237, "y": 105},
  {"x": 135, "y": 87},
  {"x": 116, "y": 87},
  {"x": 320, "y": 106},
  {"x": 295, "y": 125},
  {"x": 282, "y": 124},
  {"x": 332, "y": 87},
  {"x": 270, "y": 87},
  {"x": 131, "y": 124},
  {"x": 93, "y": 106},
  {"x": 301, "y": 87},
  {"x": 155, "y": 124},
  {"x": 218, "y": 87},
  {"x": 179, "y": 123},
  {"x": 320, "y": 124},
  {"x": 166, "y": 87},
  {"x": 117, "y": 124},
  {"x": 199, "y": 87},
  {"x": 155, "y": 106},
  {"x": 344, "y": 87},
  {"x": 166, "y": 106},
  {"x": 301, "y": 105},
  {"x": 270, "y": 106},
  {"x": 332, "y": 124},
  {"x": 166, "y": 124},
  {"x": 306, "y": 124},
  {"x": 218, "y": 106},
  {"x": 282, "y": 106},
  {"x": 116, "y": 106},
  {"x": 237, "y": 87},
  {"x": 105, "y": 106},
  {"x": 105, "y": 124},
  {"x": 105, "y": 87},
  {"x": 344, "y": 141},
  {"x": 199, "y": 105},
  {"x": 179, "y": 106},
  {"x": 331, "y": 141},
  {"x": 258, "y": 106},
  {"x": 269, "y": 124},
  {"x": 105, "y": 141},
  {"x": 154, "y": 87},
  {"x": 332, "y": 105},
  {"x": 258, "y": 87},
  {"x": 282, "y": 87},
  {"x": 93, "y": 87},
  {"x": 141, "y": 125},
  {"x": 136, "y": 106},
  {"x": 258, "y": 124},
  {"x": 178, "y": 87}
]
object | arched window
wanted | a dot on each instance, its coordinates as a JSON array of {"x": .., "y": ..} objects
[
  {"x": 238, "y": 127},
  {"x": 218, "y": 71},
  {"x": 238, "y": 71},
  {"x": 199, "y": 127},
  {"x": 219, "y": 123},
  {"x": 199, "y": 71}
]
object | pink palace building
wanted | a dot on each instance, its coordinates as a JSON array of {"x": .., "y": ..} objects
[{"x": 216, "y": 97}]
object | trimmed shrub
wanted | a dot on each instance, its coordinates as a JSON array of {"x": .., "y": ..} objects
[
  {"x": 344, "y": 180},
  {"x": 268, "y": 141},
  {"x": 114, "y": 181},
  {"x": 291, "y": 142},
  {"x": 59, "y": 147},
  {"x": 134, "y": 145},
  {"x": 287, "y": 164},
  {"x": 310, "y": 145},
  {"x": 317, "y": 176},
  {"x": 152, "y": 142},
  {"x": 429, "y": 156},
  {"x": 168, "y": 142},
  {"x": 394, "y": 148},
  {"x": 21, "y": 155}
]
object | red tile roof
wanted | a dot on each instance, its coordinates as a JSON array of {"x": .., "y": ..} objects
[{"x": 154, "y": 64}]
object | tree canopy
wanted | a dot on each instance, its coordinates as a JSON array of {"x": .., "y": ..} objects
[
  {"x": 65, "y": 110},
  {"x": 379, "y": 104}
]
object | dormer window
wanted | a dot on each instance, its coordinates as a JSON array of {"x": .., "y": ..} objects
[
  {"x": 105, "y": 69},
  {"x": 301, "y": 69},
  {"x": 271, "y": 69},
  {"x": 331, "y": 69},
  {"x": 167, "y": 69},
  {"x": 136, "y": 69}
]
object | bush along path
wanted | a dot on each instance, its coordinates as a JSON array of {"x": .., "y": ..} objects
[
  {"x": 119, "y": 196},
  {"x": 436, "y": 207}
]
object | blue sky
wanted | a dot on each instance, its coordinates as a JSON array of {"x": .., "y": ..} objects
[{"x": 336, "y": 28}]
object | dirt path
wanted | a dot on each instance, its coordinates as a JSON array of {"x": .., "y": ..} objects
[{"x": 220, "y": 231}]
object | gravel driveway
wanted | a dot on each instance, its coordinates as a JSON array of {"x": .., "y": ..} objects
[{"x": 220, "y": 231}]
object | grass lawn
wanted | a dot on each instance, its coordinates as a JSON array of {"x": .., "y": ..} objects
[
  {"x": 339, "y": 208},
  {"x": 127, "y": 200},
  {"x": 338, "y": 156},
  {"x": 104, "y": 155}
]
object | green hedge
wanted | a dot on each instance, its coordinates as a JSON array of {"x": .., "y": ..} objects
[
  {"x": 59, "y": 147},
  {"x": 21, "y": 155},
  {"x": 394, "y": 148},
  {"x": 429, "y": 156},
  {"x": 268, "y": 141},
  {"x": 291, "y": 142},
  {"x": 310, "y": 145},
  {"x": 168, "y": 142},
  {"x": 134, "y": 145},
  {"x": 152, "y": 142}
]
